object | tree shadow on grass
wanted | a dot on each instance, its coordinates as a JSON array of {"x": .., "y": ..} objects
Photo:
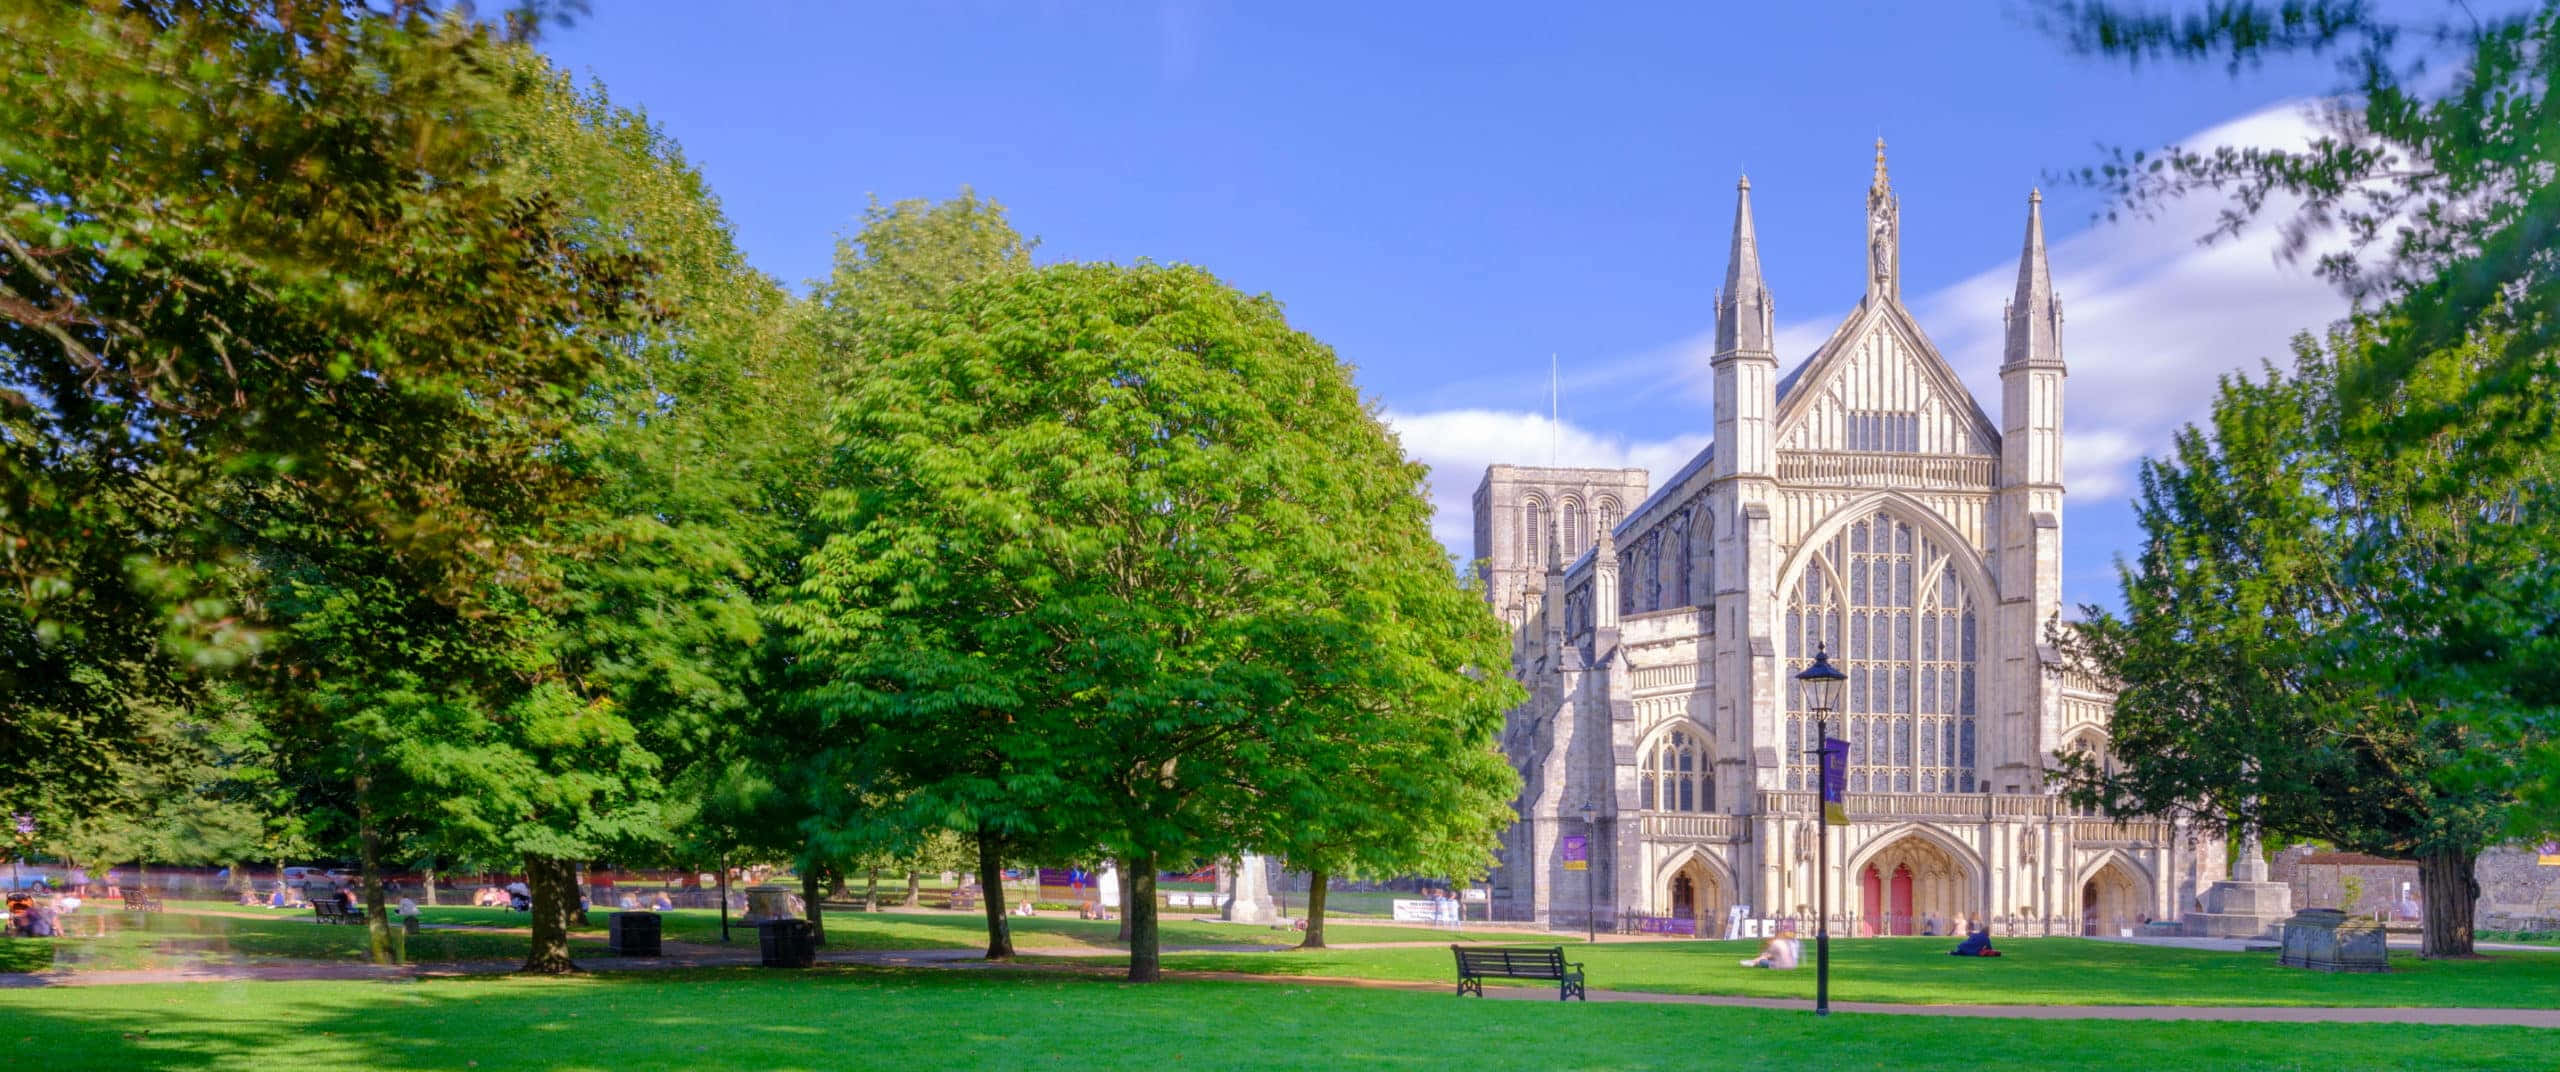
[{"x": 861, "y": 1017}]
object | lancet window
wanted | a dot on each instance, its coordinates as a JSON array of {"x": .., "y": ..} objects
[
  {"x": 1888, "y": 604},
  {"x": 1675, "y": 775}
]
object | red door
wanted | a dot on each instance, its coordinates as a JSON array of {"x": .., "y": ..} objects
[
  {"x": 1902, "y": 900},
  {"x": 1873, "y": 908}
]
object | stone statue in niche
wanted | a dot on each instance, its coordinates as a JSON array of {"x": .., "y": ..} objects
[{"x": 1880, "y": 240}]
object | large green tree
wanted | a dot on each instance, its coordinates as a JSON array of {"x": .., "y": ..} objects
[
  {"x": 265, "y": 288},
  {"x": 1109, "y": 533},
  {"x": 2428, "y": 195},
  {"x": 2282, "y": 651}
]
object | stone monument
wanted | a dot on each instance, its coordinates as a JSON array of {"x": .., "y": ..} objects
[
  {"x": 2248, "y": 904},
  {"x": 2326, "y": 939},
  {"x": 773, "y": 902},
  {"x": 1248, "y": 893}
]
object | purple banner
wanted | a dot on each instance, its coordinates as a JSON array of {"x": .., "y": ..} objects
[
  {"x": 1577, "y": 852},
  {"x": 1835, "y": 781}
]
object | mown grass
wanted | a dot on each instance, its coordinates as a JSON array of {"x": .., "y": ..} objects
[
  {"x": 116, "y": 940},
  {"x": 2034, "y": 971},
  {"x": 842, "y": 1018},
  {"x": 189, "y": 934}
]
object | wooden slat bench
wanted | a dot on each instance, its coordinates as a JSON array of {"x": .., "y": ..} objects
[
  {"x": 331, "y": 910},
  {"x": 137, "y": 899},
  {"x": 1479, "y": 963}
]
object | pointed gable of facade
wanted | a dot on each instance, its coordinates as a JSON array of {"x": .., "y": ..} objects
[{"x": 1879, "y": 385}]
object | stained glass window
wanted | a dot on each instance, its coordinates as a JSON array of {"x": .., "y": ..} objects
[{"x": 1909, "y": 653}]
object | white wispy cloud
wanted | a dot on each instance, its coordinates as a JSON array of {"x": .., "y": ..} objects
[{"x": 2151, "y": 319}]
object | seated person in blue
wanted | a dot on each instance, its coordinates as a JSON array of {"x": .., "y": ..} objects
[{"x": 1977, "y": 943}]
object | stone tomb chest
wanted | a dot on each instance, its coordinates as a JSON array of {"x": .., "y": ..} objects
[{"x": 2325, "y": 939}]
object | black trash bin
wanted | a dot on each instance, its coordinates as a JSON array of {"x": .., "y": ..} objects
[
  {"x": 787, "y": 943},
  {"x": 632, "y": 934}
]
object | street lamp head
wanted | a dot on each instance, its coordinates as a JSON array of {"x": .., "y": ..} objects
[
  {"x": 1822, "y": 683},
  {"x": 1589, "y": 810}
]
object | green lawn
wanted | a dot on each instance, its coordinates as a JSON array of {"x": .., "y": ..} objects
[
  {"x": 189, "y": 934},
  {"x": 746, "y": 1019},
  {"x": 960, "y": 930},
  {"x": 2036, "y": 971},
  {"x": 137, "y": 941}
]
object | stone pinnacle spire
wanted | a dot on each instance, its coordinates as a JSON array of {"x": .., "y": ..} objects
[
  {"x": 1745, "y": 318},
  {"x": 2035, "y": 316},
  {"x": 1884, "y": 235}
]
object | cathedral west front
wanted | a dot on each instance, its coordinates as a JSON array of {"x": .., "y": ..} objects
[{"x": 1860, "y": 502}]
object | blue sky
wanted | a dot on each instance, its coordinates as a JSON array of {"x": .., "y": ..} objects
[{"x": 1449, "y": 194}]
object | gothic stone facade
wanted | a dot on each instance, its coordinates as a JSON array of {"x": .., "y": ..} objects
[{"x": 1862, "y": 502}]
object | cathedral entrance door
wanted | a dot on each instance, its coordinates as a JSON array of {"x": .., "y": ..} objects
[
  {"x": 1684, "y": 898},
  {"x": 1902, "y": 900},
  {"x": 1871, "y": 905}
]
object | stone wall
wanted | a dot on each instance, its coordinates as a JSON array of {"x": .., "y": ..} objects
[
  {"x": 2516, "y": 889},
  {"x": 2517, "y": 892}
]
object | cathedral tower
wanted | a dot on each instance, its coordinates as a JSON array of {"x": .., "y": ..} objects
[{"x": 2029, "y": 551}]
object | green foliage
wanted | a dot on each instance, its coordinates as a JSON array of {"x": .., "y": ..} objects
[
  {"x": 264, "y": 291},
  {"x": 2432, "y": 163},
  {"x": 1119, "y": 561},
  {"x": 2282, "y": 655}
]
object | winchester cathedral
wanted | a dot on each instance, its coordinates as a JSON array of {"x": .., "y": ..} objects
[{"x": 1861, "y": 502}]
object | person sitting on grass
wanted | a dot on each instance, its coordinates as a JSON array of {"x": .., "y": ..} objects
[
  {"x": 1778, "y": 953},
  {"x": 659, "y": 902},
  {"x": 1977, "y": 943}
]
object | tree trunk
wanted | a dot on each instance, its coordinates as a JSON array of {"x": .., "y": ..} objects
[
  {"x": 377, "y": 925},
  {"x": 724, "y": 898},
  {"x": 1144, "y": 963},
  {"x": 2445, "y": 880},
  {"x": 1316, "y": 880},
  {"x": 871, "y": 895},
  {"x": 915, "y": 888},
  {"x": 991, "y": 891},
  {"x": 431, "y": 882},
  {"x": 549, "y": 881},
  {"x": 817, "y": 909},
  {"x": 835, "y": 886}
]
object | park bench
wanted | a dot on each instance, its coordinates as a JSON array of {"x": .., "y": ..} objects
[
  {"x": 331, "y": 910},
  {"x": 962, "y": 898},
  {"x": 1479, "y": 963},
  {"x": 137, "y": 899}
]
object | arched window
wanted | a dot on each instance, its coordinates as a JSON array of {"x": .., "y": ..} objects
[
  {"x": 2093, "y": 745},
  {"x": 1537, "y": 536},
  {"x": 1572, "y": 529},
  {"x": 1888, "y": 604},
  {"x": 1608, "y": 514},
  {"x": 1675, "y": 775}
]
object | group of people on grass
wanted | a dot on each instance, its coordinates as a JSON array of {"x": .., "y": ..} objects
[
  {"x": 1782, "y": 951},
  {"x": 31, "y": 917}
]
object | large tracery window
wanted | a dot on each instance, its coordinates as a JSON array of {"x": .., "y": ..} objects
[
  {"x": 1675, "y": 775},
  {"x": 1887, "y": 603}
]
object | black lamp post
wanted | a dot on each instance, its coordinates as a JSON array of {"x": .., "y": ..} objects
[
  {"x": 1821, "y": 683},
  {"x": 1590, "y": 877}
]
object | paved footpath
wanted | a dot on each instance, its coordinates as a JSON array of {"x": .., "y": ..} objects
[{"x": 682, "y": 955}]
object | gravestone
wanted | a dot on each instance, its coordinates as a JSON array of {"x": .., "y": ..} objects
[{"x": 2326, "y": 939}]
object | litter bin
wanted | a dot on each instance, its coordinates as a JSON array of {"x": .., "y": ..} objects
[
  {"x": 632, "y": 934},
  {"x": 787, "y": 943}
]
